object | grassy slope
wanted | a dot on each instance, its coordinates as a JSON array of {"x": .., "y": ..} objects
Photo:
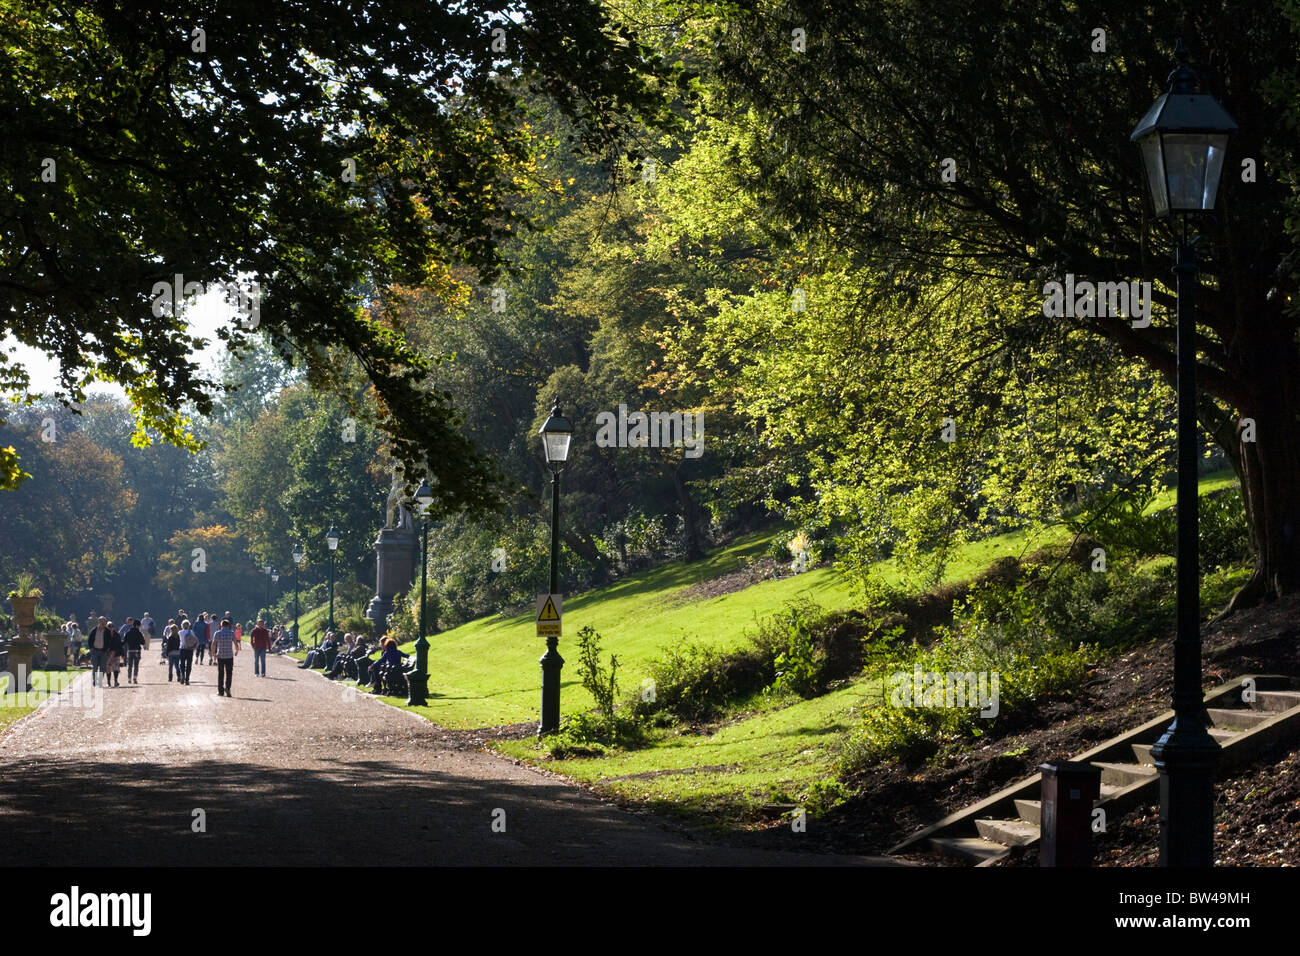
[{"x": 485, "y": 673}]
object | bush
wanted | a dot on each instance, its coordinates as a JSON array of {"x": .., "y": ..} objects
[
  {"x": 1036, "y": 635},
  {"x": 695, "y": 683},
  {"x": 790, "y": 639},
  {"x": 587, "y": 734},
  {"x": 1224, "y": 535}
]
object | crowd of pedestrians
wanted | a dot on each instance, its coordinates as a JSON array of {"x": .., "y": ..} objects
[{"x": 181, "y": 642}]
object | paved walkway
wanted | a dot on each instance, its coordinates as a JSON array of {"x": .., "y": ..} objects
[{"x": 296, "y": 770}]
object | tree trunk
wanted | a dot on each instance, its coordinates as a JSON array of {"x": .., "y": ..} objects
[
  {"x": 1269, "y": 466},
  {"x": 690, "y": 517}
]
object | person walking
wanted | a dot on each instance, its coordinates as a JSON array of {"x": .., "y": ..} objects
[
  {"x": 260, "y": 641},
  {"x": 189, "y": 641},
  {"x": 224, "y": 649},
  {"x": 172, "y": 648},
  {"x": 201, "y": 631},
  {"x": 113, "y": 662},
  {"x": 98, "y": 642},
  {"x": 133, "y": 641},
  {"x": 73, "y": 630}
]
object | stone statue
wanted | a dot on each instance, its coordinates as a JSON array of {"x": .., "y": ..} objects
[{"x": 398, "y": 514}]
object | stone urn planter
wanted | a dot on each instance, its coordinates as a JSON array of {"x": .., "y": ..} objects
[{"x": 24, "y": 611}]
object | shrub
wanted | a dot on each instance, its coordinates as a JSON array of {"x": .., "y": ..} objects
[
  {"x": 790, "y": 639},
  {"x": 695, "y": 682},
  {"x": 1224, "y": 536},
  {"x": 585, "y": 734}
]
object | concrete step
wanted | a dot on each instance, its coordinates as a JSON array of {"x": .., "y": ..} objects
[
  {"x": 1143, "y": 751},
  {"x": 1108, "y": 788},
  {"x": 1007, "y": 832},
  {"x": 1243, "y": 719},
  {"x": 1122, "y": 774},
  {"x": 1031, "y": 811},
  {"x": 1276, "y": 701},
  {"x": 967, "y": 849}
]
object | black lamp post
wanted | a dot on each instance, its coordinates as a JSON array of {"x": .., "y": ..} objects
[
  {"x": 419, "y": 677},
  {"x": 275, "y": 579},
  {"x": 1183, "y": 139},
  {"x": 297, "y": 566},
  {"x": 332, "y": 539},
  {"x": 556, "y": 433},
  {"x": 267, "y": 569}
]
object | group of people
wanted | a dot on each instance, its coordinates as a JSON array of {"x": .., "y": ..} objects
[
  {"x": 181, "y": 641},
  {"x": 342, "y": 656}
]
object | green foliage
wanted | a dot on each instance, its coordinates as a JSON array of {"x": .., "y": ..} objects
[
  {"x": 696, "y": 682},
  {"x": 799, "y": 660},
  {"x": 586, "y": 734},
  {"x": 25, "y": 586},
  {"x": 236, "y": 155}
]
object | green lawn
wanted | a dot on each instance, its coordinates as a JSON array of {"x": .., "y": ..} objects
[
  {"x": 772, "y": 756},
  {"x": 485, "y": 672},
  {"x": 16, "y": 706}
]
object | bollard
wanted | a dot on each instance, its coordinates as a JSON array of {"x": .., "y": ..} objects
[{"x": 1068, "y": 792}]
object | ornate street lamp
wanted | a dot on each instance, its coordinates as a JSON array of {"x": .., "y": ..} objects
[
  {"x": 1183, "y": 139},
  {"x": 418, "y": 680},
  {"x": 297, "y": 566},
  {"x": 269, "y": 571},
  {"x": 556, "y": 432},
  {"x": 332, "y": 539}
]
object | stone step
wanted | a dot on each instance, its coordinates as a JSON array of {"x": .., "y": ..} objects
[
  {"x": 967, "y": 849},
  {"x": 1122, "y": 774},
  {"x": 1031, "y": 811},
  {"x": 1276, "y": 701},
  {"x": 1108, "y": 788},
  {"x": 1007, "y": 832},
  {"x": 1243, "y": 719}
]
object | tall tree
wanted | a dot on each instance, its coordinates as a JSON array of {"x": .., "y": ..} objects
[
  {"x": 863, "y": 105},
  {"x": 319, "y": 150}
]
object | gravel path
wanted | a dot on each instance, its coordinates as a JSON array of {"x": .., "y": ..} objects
[{"x": 296, "y": 770}]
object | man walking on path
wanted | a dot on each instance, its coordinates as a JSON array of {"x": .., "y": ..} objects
[
  {"x": 133, "y": 641},
  {"x": 99, "y": 641},
  {"x": 189, "y": 641},
  {"x": 201, "y": 631},
  {"x": 260, "y": 640},
  {"x": 224, "y": 649}
]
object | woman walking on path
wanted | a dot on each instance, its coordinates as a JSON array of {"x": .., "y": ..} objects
[
  {"x": 189, "y": 641},
  {"x": 172, "y": 648},
  {"x": 133, "y": 641},
  {"x": 113, "y": 666}
]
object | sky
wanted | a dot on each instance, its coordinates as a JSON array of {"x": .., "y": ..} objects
[{"x": 206, "y": 315}]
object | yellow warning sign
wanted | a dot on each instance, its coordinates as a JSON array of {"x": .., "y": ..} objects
[{"x": 549, "y": 607}]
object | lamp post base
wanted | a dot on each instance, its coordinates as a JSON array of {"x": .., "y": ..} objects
[
  {"x": 1186, "y": 758},
  {"x": 551, "y": 663},
  {"x": 418, "y": 679}
]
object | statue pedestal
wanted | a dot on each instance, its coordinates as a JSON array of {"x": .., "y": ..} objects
[
  {"x": 56, "y": 654},
  {"x": 396, "y": 554},
  {"x": 21, "y": 652}
]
